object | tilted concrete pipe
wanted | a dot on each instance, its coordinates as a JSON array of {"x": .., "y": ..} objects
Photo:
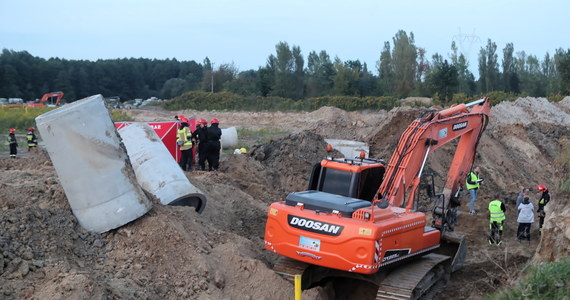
[
  {"x": 92, "y": 165},
  {"x": 157, "y": 172}
]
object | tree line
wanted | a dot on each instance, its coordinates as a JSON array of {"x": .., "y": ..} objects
[{"x": 403, "y": 69}]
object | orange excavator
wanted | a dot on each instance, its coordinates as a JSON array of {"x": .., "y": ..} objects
[
  {"x": 49, "y": 99},
  {"x": 359, "y": 224}
]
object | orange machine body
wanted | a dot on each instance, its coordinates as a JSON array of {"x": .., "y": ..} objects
[{"x": 339, "y": 224}]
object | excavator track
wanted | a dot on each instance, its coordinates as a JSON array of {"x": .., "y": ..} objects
[
  {"x": 414, "y": 280},
  {"x": 288, "y": 268}
]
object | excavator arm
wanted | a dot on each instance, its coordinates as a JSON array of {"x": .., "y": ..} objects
[
  {"x": 424, "y": 135},
  {"x": 47, "y": 98}
]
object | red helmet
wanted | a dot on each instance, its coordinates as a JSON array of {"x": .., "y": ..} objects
[
  {"x": 541, "y": 188},
  {"x": 31, "y": 129},
  {"x": 214, "y": 121},
  {"x": 12, "y": 130},
  {"x": 203, "y": 121},
  {"x": 183, "y": 119}
]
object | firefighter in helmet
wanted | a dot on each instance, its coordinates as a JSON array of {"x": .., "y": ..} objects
[
  {"x": 214, "y": 145},
  {"x": 200, "y": 135},
  {"x": 184, "y": 141},
  {"x": 32, "y": 139},
  {"x": 13, "y": 143}
]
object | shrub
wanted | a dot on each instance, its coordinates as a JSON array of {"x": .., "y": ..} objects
[{"x": 542, "y": 281}]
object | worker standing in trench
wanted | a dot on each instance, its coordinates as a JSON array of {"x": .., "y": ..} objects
[
  {"x": 544, "y": 199},
  {"x": 473, "y": 183},
  {"x": 496, "y": 219}
]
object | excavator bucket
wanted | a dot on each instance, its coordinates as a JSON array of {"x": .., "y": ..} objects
[{"x": 453, "y": 245}]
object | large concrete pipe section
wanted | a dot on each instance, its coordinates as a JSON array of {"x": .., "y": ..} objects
[
  {"x": 92, "y": 165},
  {"x": 157, "y": 172}
]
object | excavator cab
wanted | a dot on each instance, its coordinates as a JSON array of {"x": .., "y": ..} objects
[{"x": 356, "y": 178}]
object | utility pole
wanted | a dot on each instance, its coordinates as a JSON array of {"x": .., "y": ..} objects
[{"x": 212, "y": 78}]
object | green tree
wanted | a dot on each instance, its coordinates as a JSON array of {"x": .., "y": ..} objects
[
  {"x": 404, "y": 57},
  {"x": 345, "y": 80},
  {"x": 488, "y": 68},
  {"x": 246, "y": 83},
  {"x": 465, "y": 79},
  {"x": 320, "y": 71},
  {"x": 287, "y": 65},
  {"x": 385, "y": 68},
  {"x": 173, "y": 87},
  {"x": 562, "y": 59},
  {"x": 442, "y": 79},
  {"x": 549, "y": 71},
  {"x": 510, "y": 77}
]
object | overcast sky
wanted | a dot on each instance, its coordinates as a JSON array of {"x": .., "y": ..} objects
[{"x": 245, "y": 32}]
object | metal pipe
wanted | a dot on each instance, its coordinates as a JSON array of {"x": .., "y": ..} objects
[
  {"x": 424, "y": 163},
  {"x": 475, "y": 102}
]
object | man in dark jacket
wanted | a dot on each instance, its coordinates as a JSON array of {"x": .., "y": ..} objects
[
  {"x": 214, "y": 146},
  {"x": 13, "y": 143},
  {"x": 201, "y": 136}
]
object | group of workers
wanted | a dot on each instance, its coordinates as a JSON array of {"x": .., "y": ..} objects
[
  {"x": 13, "y": 143},
  {"x": 524, "y": 206},
  {"x": 207, "y": 138}
]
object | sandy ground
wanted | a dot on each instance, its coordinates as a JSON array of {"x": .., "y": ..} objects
[{"x": 174, "y": 253}]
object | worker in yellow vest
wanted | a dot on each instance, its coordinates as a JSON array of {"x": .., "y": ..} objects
[
  {"x": 184, "y": 141},
  {"x": 496, "y": 219},
  {"x": 472, "y": 182},
  {"x": 32, "y": 139}
]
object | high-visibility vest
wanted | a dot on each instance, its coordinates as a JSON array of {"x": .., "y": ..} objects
[
  {"x": 12, "y": 140},
  {"x": 474, "y": 177},
  {"x": 497, "y": 214},
  {"x": 31, "y": 139},
  {"x": 184, "y": 135}
]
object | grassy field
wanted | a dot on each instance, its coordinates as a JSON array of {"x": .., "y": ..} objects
[{"x": 21, "y": 119}]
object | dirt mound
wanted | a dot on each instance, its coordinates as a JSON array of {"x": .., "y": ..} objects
[
  {"x": 526, "y": 111},
  {"x": 170, "y": 253},
  {"x": 384, "y": 138},
  {"x": 288, "y": 161}
]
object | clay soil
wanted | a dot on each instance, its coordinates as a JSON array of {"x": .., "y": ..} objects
[{"x": 175, "y": 253}]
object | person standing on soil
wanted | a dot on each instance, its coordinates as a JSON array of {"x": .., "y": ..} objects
[
  {"x": 214, "y": 135},
  {"x": 200, "y": 135},
  {"x": 496, "y": 219},
  {"x": 520, "y": 197},
  {"x": 184, "y": 141},
  {"x": 544, "y": 199},
  {"x": 472, "y": 183},
  {"x": 32, "y": 139},
  {"x": 525, "y": 219},
  {"x": 13, "y": 143}
]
